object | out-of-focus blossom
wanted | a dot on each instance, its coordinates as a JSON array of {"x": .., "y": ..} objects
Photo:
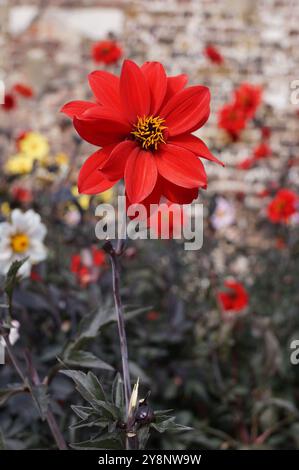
[
  {"x": 213, "y": 54},
  {"x": 106, "y": 52},
  {"x": 9, "y": 102},
  {"x": 266, "y": 132},
  {"x": 143, "y": 122},
  {"x": 153, "y": 315},
  {"x": 82, "y": 199},
  {"x": 246, "y": 164},
  {"x": 34, "y": 145},
  {"x": 232, "y": 119},
  {"x": 72, "y": 217},
  {"x": 248, "y": 98},
  {"x": 23, "y": 90},
  {"x": 20, "y": 238},
  {"x": 21, "y": 194},
  {"x": 223, "y": 215},
  {"x": 86, "y": 264},
  {"x": 283, "y": 206},
  {"x": 19, "y": 164},
  {"x": 235, "y": 298},
  {"x": 263, "y": 150},
  {"x": 61, "y": 159},
  {"x": 13, "y": 335}
]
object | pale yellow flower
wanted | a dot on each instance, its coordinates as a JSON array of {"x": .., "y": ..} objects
[
  {"x": 19, "y": 164},
  {"x": 34, "y": 145},
  {"x": 107, "y": 196},
  {"x": 61, "y": 159},
  {"x": 82, "y": 199}
]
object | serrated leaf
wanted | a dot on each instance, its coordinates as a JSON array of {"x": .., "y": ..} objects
[
  {"x": 143, "y": 436},
  {"x": 11, "y": 277},
  {"x": 41, "y": 399},
  {"x": 87, "y": 385},
  {"x": 82, "y": 411},
  {"x": 169, "y": 425},
  {"x": 105, "y": 442},
  {"x": 118, "y": 391},
  {"x": 86, "y": 359}
]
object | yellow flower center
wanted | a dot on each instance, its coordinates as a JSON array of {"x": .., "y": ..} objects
[
  {"x": 19, "y": 242},
  {"x": 149, "y": 132}
]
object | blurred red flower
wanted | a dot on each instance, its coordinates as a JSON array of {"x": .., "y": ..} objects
[
  {"x": 23, "y": 90},
  {"x": 283, "y": 206},
  {"x": 106, "y": 52},
  {"x": 245, "y": 164},
  {"x": 9, "y": 102},
  {"x": 22, "y": 194},
  {"x": 83, "y": 265},
  {"x": 263, "y": 150},
  {"x": 143, "y": 120},
  {"x": 212, "y": 53},
  {"x": 232, "y": 119},
  {"x": 235, "y": 298},
  {"x": 153, "y": 315},
  {"x": 248, "y": 98}
]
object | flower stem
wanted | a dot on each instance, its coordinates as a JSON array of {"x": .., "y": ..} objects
[
  {"x": 131, "y": 440},
  {"x": 121, "y": 326},
  {"x": 59, "y": 439}
]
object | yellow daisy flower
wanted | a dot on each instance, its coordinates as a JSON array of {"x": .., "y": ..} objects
[{"x": 34, "y": 145}]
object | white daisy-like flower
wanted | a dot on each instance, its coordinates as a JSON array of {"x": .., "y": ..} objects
[
  {"x": 223, "y": 215},
  {"x": 13, "y": 333},
  {"x": 22, "y": 237}
]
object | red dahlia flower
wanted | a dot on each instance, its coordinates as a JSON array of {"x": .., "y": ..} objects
[
  {"x": 9, "y": 102},
  {"x": 248, "y": 98},
  {"x": 232, "y": 119},
  {"x": 23, "y": 90},
  {"x": 283, "y": 206},
  {"x": 106, "y": 52},
  {"x": 212, "y": 53},
  {"x": 86, "y": 265},
  {"x": 263, "y": 150},
  {"x": 143, "y": 121},
  {"x": 235, "y": 298}
]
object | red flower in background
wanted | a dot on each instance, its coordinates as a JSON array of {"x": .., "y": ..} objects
[
  {"x": 212, "y": 53},
  {"x": 248, "y": 98},
  {"x": 235, "y": 298},
  {"x": 263, "y": 150},
  {"x": 143, "y": 120},
  {"x": 232, "y": 119},
  {"x": 283, "y": 206},
  {"x": 22, "y": 194},
  {"x": 9, "y": 102},
  {"x": 86, "y": 265},
  {"x": 23, "y": 90},
  {"x": 106, "y": 52}
]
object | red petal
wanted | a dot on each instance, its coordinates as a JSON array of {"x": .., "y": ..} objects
[
  {"x": 76, "y": 108},
  {"x": 140, "y": 174},
  {"x": 101, "y": 131},
  {"x": 105, "y": 87},
  {"x": 195, "y": 145},
  {"x": 174, "y": 85},
  {"x": 115, "y": 166},
  {"x": 157, "y": 81},
  {"x": 186, "y": 110},
  {"x": 153, "y": 198},
  {"x": 181, "y": 167},
  {"x": 134, "y": 91},
  {"x": 90, "y": 180},
  {"x": 177, "y": 194}
]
